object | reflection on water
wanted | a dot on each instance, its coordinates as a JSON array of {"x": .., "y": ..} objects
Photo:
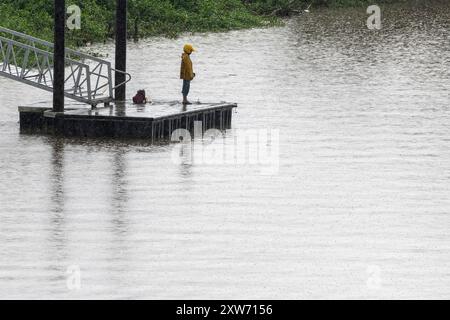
[
  {"x": 57, "y": 176},
  {"x": 358, "y": 209},
  {"x": 56, "y": 242}
]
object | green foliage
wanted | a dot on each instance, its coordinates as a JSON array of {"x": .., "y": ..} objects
[
  {"x": 152, "y": 17},
  {"x": 146, "y": 17},
  {"x": 276, "y": 7}
]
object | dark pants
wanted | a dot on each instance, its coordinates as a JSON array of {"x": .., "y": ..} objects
[{"x": 186, "y": 87}]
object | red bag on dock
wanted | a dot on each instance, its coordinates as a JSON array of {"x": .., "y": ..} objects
[{"x": 140, "y": 98}]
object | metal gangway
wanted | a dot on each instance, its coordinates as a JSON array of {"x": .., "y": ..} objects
[{"x": 30, "y": 60}]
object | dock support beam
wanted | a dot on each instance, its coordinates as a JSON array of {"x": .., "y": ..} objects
[
  {"x": 59, "y": 56},
  {"x": 121, "y": 49}
]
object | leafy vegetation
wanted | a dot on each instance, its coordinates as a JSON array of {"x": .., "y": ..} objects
[{"x": 153, "y": 17}]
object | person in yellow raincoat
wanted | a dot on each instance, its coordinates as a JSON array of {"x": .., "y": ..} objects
[{"x": 187, "y": 71}]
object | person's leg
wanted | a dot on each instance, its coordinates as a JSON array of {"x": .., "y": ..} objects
[
  {"x": 186, "y": 88},
  {"x": 183, "y": 91}
]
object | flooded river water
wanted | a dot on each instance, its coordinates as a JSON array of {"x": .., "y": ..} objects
[{"x": 358, "y": 207}]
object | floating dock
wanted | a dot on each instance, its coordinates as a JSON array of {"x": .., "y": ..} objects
[{"x": 155, "y": 121}]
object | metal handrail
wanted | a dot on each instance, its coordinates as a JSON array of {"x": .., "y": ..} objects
[
  {"x": 51, "y": 45},
  {"x": 125, "y": 82},
  {"x": 91, "y": 83}
]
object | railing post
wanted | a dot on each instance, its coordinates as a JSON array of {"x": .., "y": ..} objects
[
  {"x": 59, "y": 56},
  {"x": 121, "y": 49}
]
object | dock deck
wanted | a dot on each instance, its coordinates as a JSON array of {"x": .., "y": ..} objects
[{"x": 124, "y": 120}]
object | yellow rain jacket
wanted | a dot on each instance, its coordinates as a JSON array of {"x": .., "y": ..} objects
[{"x": 186, "y": 72}]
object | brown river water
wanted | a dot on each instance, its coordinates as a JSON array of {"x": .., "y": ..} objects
[{"x": 358, "y": 206}]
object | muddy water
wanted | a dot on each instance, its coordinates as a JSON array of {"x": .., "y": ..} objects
[{"x": 358, "y": 206}]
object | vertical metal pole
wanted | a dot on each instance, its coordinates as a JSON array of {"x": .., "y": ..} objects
[
  {"x": 121, "y": 48},
  {"x": 59, "y": 56}
]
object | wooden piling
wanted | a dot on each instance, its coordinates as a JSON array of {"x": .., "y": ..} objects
[
  {"x": 59, "y": 55},
  {"x": 121, "y": 49}
]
